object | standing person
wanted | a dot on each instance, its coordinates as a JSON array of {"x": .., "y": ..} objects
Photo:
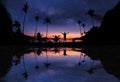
[{"x": 64, "y": 35}]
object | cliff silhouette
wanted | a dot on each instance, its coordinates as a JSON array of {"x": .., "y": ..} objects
[
  {"x": 108, "y": 32},
  {"x": 5, "y": 25}
]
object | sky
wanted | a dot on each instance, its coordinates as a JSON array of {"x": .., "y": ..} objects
[{"x": 64, "y": 14}]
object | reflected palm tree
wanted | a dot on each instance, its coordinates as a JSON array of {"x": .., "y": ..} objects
[
  {"x": 39, "y": 37},
  {"x": 25, "y": 73},
  {"x": 36, "y": 18},
  {"x": 47, "y": 63},
  {"x": 79, "y": 22},
  {"x": 16, "y": 60},
  {"x": 79, "y": 63},
  {"x": 39, "y": 51},
  {"x": 25, "y": 9},
  {"x": 83, "y": 57},
  {"x": 17, "y": 26},
  {"x": 37, "y": 66},
  {"x": 83, "y": 25},
  {"x": 56, "y": 50},
  {"x": 91, "y": 70},
  {"x": 47, "y": 21},
  {"x": 90, "y": 12}
]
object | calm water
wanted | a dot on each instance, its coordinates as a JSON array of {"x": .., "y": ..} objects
[{"x": 56, "y": 65}]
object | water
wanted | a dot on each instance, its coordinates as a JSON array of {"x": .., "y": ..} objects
[{"x": 55, "y": 65}]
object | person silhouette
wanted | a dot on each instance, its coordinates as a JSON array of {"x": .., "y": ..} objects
[{"x": 64, "y": 35}]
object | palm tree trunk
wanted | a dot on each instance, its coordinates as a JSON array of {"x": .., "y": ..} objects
[
  {"x": 36, "y": 28},
  {"x": 24, "y": 64},
  {"x": 24, "y": 23},
  {"x": 80, "y": 29},
  {"x": 46, "y": 32},
  {"x": 92, "y": 21}
]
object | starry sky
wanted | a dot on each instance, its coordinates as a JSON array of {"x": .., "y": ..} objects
[{"x": 64, "y": 14}]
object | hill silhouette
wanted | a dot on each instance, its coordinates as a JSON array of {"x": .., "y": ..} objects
[
  {"x": 5, "y": 25},
  {"x": 108, "y": 32}
]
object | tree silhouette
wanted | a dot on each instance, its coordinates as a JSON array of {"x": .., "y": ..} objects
[
  {"x": 56, "y": 50},
  {"x": 91, "y": 70},
  {"x": 39, "y": 37},
  {"x": 36, "y": 18},
  {"x": 90, "y": 12},
  {"x": 79, "y": 63},
  {"x": 79, "y": 22},
  {"x": 47, "y": 21},
  {"x": 47, "y": 63},
  {"x": 25, "y": 73},
  {"x": 83, "y": 25},
  {"x": 37, "y": 66},
  {"x": 56, "y": 38},
  {"x": 25, "y": 10},
  {"x": 17, "y": 26},
  {"x": 65, "y": 35}
]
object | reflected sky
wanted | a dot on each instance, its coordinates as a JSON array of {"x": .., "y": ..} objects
[{"x": 76, "y": 66}]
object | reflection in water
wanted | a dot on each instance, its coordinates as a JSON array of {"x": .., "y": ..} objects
[
  {"x": 47, "y": 63},
  {"x": 63, "y": 65},
  {"x": 25, "y": 73},
  {"x": 64, "y": 52},
  {"x": 36, "y": 60},
  {"x": 91, "y": 70}
]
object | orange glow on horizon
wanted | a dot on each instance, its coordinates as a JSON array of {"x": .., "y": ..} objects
[{"x": 50, "y": 35}]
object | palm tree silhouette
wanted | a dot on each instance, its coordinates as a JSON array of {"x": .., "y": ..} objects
[
  {"x": 56, "y": 38},
  {"x": 79, "y": 63},
  {"x": 91, "y": 70},
  {"x": 39, "y": 37},
  {"x": 79, "y": 22},
  {"x": 83, "y": 25},
  {"x": 47, "y": 63},
  {"x": 25, "y": 9},
  {"x": 56, "y": 50},
  {"x": 47, "y": 21},
  {"x": 90, "y": 12},
  {"x": 36, "y": 18},
  {"x": 37, "y": 66},
  {"x": 17, "y": 26}
]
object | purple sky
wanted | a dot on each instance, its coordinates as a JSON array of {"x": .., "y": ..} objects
[{"x": 63, "y": 13}]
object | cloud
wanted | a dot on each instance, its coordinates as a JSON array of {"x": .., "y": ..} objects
[{"x": 61, "y": 12}]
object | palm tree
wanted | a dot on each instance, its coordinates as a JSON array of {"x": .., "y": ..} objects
[
  {"x": 25, "y": 73},
  {"x": 56, "y": 38},
  {"x": 79, "y": 22},
  {"x": 36, "y": 18},
  {"x": 37, "y": 66},
  {"x": 91, "y": 14},
  {"x": 91, "y": 70},
  {"x": 83, "y": 25},
  {"x": 47, "y": 21},
  {"x": 17, "y": 26},
  {"x": 39, "y": 37},
  {"x": 79, "y": 63},
  {"x": 25, "y": 9},
  {"x": 47, "y": 63}
]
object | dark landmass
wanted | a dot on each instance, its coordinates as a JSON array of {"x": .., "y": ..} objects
[{"x": 108, "y": 32}]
